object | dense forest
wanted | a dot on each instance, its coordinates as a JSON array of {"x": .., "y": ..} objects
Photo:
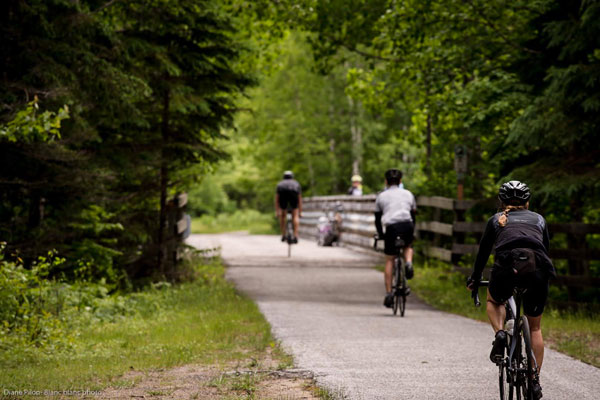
[{"x": 110, "y": 108}]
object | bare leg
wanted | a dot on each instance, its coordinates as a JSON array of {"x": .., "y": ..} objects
[
  {"x": 389, "y": 268},
  {"x": 537, "y": 341},
  {"x": 408, "y": 254},
  {"x": 496, "y": 313},
  {"x": 281, "y": 216},
  {"x": 296, "y": 219}
]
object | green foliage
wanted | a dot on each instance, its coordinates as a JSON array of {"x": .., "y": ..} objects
[
  {"x": 302, "y": 120},
  {"x": 29, "y": 126},
  {"x": 148, "y": 87},
  {"x": 210, "y": 198},
  {"x": 30, "y": 304},
  {"x": 104, "y": 335},
  {"x": 514, "y": 81},
  {"x": 241, "y": 220}
]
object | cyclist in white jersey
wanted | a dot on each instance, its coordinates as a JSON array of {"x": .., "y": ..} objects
[{"x": 395, "y": 208}]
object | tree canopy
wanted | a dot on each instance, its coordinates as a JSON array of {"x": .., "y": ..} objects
[{"x": 109, "y": 108}]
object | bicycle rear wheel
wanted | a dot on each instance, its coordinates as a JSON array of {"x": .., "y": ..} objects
[
  {"x": 519, "y": 381},
  {"x": 402, "y": 299},
  {"x": 396, "y": 286}
]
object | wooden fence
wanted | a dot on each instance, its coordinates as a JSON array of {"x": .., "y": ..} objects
[{"x": 449, "y": 241}]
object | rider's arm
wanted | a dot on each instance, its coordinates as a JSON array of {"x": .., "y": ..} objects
[
  {"x": 485, "y": 249},
  {"x": 378, "y": 225},
  {"x": 413, "y": 210},
  {"x": 546, "y": 237}
]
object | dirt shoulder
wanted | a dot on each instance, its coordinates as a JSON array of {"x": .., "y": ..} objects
[{"x": 255, "y": 379}]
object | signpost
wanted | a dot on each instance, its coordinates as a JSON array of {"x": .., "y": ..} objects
[{"x": 460, "y": 166}]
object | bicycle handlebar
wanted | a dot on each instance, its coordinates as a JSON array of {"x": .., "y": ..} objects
[{"x": 475, "y": 292}]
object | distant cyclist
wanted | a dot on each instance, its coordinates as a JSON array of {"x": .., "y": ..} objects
[
  {"x": 356, "y": 188},
  {"x": 395, "y": 208},
  {"x": 288, "y": 196},
  {"x": 520, "y": 240}
]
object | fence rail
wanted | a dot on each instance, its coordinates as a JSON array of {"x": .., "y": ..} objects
[{"x": 358, "y": 228}]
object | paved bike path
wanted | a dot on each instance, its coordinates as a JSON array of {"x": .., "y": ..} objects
[{"x": 324, "y": 304}]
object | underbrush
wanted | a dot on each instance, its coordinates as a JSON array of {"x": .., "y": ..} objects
[
  {"x": 575, "y": 333},
  {"x": 64, "y": 336},
  {"x": 241, "y": 220}
]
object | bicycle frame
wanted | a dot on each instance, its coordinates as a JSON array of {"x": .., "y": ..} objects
[
  {"x": 399, "y": 270},
  {"x": 513, "y": 311}
]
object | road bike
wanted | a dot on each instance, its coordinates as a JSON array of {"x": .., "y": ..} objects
[
  {"x": 518, "y": 369},
  {"x": 399, "y": 281}
]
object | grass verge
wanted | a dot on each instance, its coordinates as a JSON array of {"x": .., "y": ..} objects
[
  {"x": 574, "y": 333},
  {"x": 203, "y": 322},
  {"x": 241, "y": 220}
]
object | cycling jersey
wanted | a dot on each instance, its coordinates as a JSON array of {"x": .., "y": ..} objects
[
  {"x": 288, "y": 191},
  {"x": 524, "y": 229},
  {"x": 396, "y": 204}
]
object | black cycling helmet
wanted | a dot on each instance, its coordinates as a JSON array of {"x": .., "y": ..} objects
[
  {"x": 393, "y": 176},
  {"x": 514, "y": 191},
  {"x": 288, "y": 175}
]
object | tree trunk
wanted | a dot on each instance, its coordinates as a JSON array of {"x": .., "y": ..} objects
[
  {"x": 164, "y": 179},
  {"x": 356, "y": 131},
  {"x": 428, "y": 144},
  {"x": 476, "y": 168}
]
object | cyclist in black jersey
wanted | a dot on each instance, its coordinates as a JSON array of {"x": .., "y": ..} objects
[
  {"x": 520, "y": 240},
  {"x": 288, "y": 195}
]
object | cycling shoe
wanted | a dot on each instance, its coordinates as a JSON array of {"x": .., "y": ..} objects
[
  {"x": 536, "y": 389},
  {"x": 498, "y": 345},
  {"x": 388, "y": 301},
  {"x": 410, "y": 271}
]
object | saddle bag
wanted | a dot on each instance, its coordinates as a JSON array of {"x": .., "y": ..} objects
[{"x": 523, "y": 261}]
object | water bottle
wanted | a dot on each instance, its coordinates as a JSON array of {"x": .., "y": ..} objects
[{"x": 508, "y": 327}]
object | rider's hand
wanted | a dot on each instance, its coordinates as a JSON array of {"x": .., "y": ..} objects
[{"x": 472, "y": 282}]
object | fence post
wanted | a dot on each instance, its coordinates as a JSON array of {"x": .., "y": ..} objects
[
  {"x": 577, "y": 266},
  {"x": 457, "y": 237}
]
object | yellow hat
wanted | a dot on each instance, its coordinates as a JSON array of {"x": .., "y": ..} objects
[{"x": 356, "y": 178}]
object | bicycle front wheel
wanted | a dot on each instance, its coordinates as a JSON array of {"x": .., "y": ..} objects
[
  {"x": 402, "y": 304},
  {"x": 530, "y": 361},
  {"x": 400, "y": 287},
  {"x": 503, "y": 381}
]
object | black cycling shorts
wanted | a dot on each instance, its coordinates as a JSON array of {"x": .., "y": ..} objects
[
  {"x": 288, "y": 199},
  {"x": 503, "y": 281},
  {"x": 403, "y": 229}
]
